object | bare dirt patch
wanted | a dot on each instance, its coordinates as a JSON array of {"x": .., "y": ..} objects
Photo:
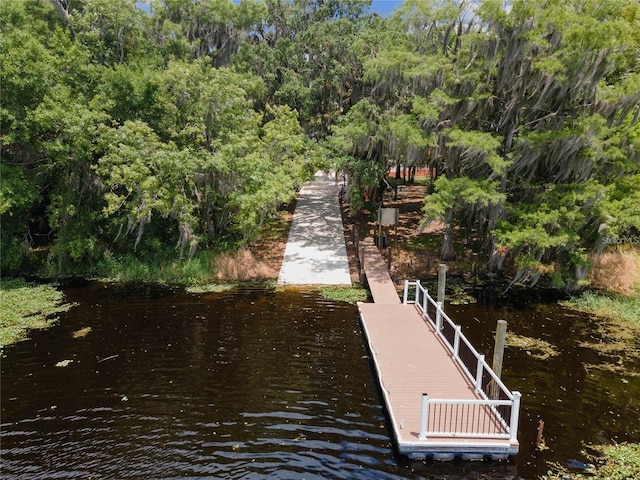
[{"x": 414, "y": 250}]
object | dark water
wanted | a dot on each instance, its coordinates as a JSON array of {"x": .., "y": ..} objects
[
  {"x": 584, "y": 396},
  {"x": 254, "y": 383}
]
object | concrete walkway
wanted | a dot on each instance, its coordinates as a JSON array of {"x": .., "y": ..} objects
[{"x": 316, "y": 253}]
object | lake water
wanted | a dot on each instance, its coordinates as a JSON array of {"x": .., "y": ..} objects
[{"x": 255, "y": 383}]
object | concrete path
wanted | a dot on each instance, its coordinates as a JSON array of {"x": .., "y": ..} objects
[{"x": 316, "y": 253}]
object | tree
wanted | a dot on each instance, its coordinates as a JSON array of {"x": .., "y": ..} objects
[
  {"x": 212, "y": 29},
  {"x": 500, "y": 101},
  {"x": 144, "y": 177}
]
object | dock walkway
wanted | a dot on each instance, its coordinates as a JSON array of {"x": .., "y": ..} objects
[
  {"x": 442, "y": 398},
  {"x": 316, "y": 253}
]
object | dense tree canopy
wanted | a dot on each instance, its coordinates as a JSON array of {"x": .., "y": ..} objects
[{"x": 181, "y": 125}]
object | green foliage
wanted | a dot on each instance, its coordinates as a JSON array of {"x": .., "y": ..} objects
[
  {"x": 27, "y": 306},
  {"x": 549, "y": 234},
  {"x": 18, "y": 195},
  {"x": 475, "y": 149},
  {"x": 129, "y": 132},
  {"x": 278, "y": 164},
  {"x": 460, "y": 193},
  {"x": 541, "y": 93},
  {"x": 620, "y": 212},
  {"x": 113, "y": 30},
  {"x": 145, "y": 177},
  {"x": 345, "y": 294}
]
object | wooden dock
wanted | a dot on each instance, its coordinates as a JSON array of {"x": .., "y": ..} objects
[{"x": 443, "y": 400}]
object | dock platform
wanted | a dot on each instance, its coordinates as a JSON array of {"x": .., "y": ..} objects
[{"x": 442, "y": 398}]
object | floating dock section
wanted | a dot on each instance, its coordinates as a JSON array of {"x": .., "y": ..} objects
[{"x": 443, "y": 399}]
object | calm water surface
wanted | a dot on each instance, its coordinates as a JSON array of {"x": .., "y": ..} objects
[{"x": 254, "y": 383}]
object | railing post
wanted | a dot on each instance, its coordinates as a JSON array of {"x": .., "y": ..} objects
[
  {"x": 418, "y": 292},
  {"x": 424, "y": 417},
  {"x": 406, "y": 292},
  {"x": 425, "y": 301},
  {"x": 515, "y": 414},
  {"x": 438, "y": 317},
  {"x": 456, "y": 342},
  {"x": 362, "y": 272},
  {"x": 479, "y": 371}
]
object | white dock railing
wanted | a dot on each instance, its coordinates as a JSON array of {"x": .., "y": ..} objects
[{"x": 494, "y": 414}]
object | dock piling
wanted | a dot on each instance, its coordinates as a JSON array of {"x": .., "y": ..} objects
[
  {"x": 498, "y": 354},
  {"x": 442, "y": 280}
]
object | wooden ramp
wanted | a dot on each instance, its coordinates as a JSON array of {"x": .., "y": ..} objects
[
  {"x": 375, "y": 268},
  {"x": 433, "y": 381}
]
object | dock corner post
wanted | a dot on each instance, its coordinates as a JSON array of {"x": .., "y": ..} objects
[
  {"x": 515, "y": 414},
  {"x": 424, "y": 417},
  {"x": 362, "y": 272},
  {"x": 406, "y": 292},
  {"x": 438, "y": 317},
  {"x": 442, "y": 281}
]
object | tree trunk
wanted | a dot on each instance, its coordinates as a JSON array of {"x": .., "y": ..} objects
[
  {"x": 496, "y": 259},
  {"x": 447, "y": 252}
]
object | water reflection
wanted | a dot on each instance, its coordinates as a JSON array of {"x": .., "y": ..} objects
[{"x": 255, "y": 383}]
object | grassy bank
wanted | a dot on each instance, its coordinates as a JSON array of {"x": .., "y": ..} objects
[
  {"x": 616, "y": 282},
  {"x": 229, "y": 263},
  {"x": 165, "y": 270},
  {"x": 27, "y": 306},
  {"x": 618, "y": 307},
  {"x": 611, "y": 462}
]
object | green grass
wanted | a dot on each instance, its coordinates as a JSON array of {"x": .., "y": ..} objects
[
  {"x": 345, "y": 294},
  {"x": 27, "y": 306},
  {"x": 610, "y": 306},
  {"x": 612, "y": 462},
  {"x": 194, "y": 271}
]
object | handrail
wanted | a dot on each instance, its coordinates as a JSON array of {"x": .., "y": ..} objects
[
  {"x": 504, "y": 403},
  {"x": 468, "y": 418}
]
